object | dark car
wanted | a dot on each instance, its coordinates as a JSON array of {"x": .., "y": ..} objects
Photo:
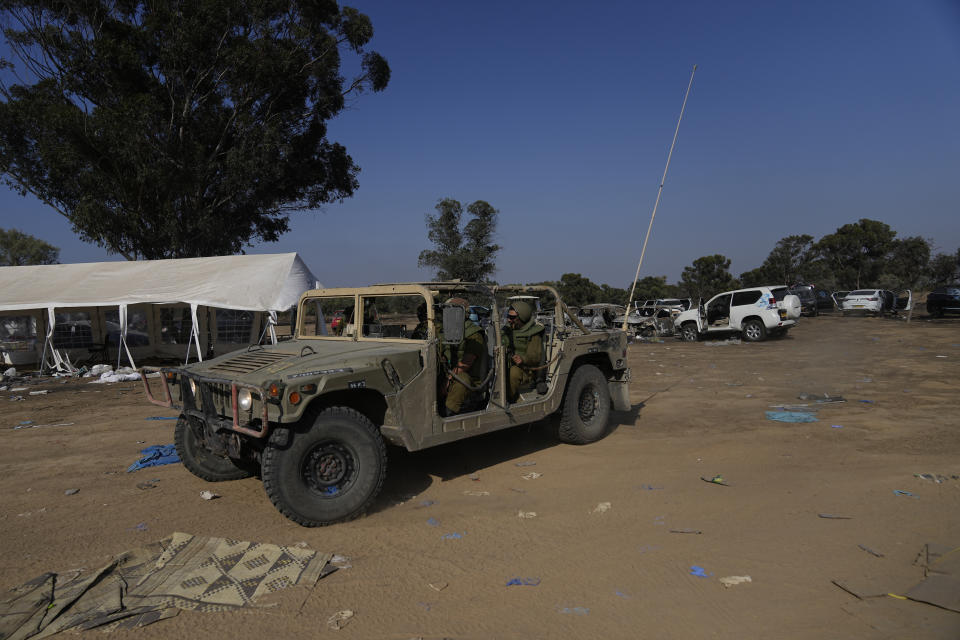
[
  {"x": 944, "y": 300},
  {"x": 812, "y": 300}
]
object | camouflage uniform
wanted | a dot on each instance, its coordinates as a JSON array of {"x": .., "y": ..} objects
[{"x": 526, "y": 342}]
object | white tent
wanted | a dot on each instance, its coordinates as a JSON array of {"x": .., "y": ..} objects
[{"x": 268, "y": 283}]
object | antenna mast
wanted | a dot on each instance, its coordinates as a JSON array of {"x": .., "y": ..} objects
[{"x": 626, "y": 315}]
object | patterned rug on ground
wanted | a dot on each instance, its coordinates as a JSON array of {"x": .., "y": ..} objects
[{"x": 155, "y": 582}]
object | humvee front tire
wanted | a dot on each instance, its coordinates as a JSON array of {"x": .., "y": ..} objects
[
  {"x": 586, "y": 407},
  {"x": 328, "y": 470},
  {"x": 200, "y": 461}
]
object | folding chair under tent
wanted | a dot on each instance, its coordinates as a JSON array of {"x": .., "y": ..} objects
[{"x": 258, "y": 283}]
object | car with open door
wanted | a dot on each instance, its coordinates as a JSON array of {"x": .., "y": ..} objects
[{"x": 755, "y": 314}]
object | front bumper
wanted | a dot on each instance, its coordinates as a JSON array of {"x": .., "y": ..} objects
[{"x": 218, "y": 404}]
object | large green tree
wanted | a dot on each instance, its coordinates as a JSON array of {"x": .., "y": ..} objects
[
  {"x": 908, "y": 264},
  {"x": 856, "y": 253},
  {"x": 465, "y": 252},
  {"x": 707, "y": 276},
  {"x": 174, "y": 129},
  {"x": 18, "y": 248},
  {"x": 944, "y": 268}
]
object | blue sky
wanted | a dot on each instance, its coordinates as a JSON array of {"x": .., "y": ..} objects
[{"x": 803, "y": 116}]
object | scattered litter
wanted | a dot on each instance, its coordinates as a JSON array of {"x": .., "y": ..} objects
[
  {"x": 528, "y": 463},
  {"x": 934, "y": 478},
  {"x": 790, "y": 416},
  {"x": 29, "y": 425},
  {"x": 603, "y": 507},
  {"x": 649, "y": 487},
  {"x": 836, "y": 426},
  {"x": 146, "y": 485},
  {"x": 162, "y": 418},
  {"x": 523, "y": 582},
  {"x": 866, "y": 401},
  {"x": 577, "y": 611},
  {"x": 339, "y": 561},
  {"x": 870, "y": 551},
  {"x": 39, "y": 393},
  {"x": 730, "y": 581},
  {"x": 433, "y": 522},
  {"x": 717, "y": 479},
  {"x": 437, "y": 586},
  {"x": 821, "y": 398},
  {"x": 623, "y": 595},
  {"x": 155, "y": 456},
  {"x": 209, "y": 495},
  {"x": 749, "y": 395},
  {"x": 71, "y": 492},
  {"x": 699, "y": 571},
  {"x": 141, "y": 526},
  {"x": 15, "y": 389},
  {"x": 339, "y": 620},
  {"x": 453, "y": 536},
  {"x": 696, "y": 531},
  {"x": 533, "y": 475},
  {"x": 722, "y": 343},
  {"x": 900, "y": 492},
  {"x": 526, "y": 515},
  {"x": 941, "y": 356},
  {"x": 801, "y": 408},
  {"x": 831, "y": 516},
  {"x": 476, "y": 493}
]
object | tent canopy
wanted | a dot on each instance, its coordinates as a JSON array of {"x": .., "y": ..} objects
[{"x": 269, "y": 282}]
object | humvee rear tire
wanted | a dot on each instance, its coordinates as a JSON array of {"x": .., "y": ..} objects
[
  {"x": 586, "y": 407},
  {"x": 200, "y": 461},
  {"x": 329, "y": 469}
]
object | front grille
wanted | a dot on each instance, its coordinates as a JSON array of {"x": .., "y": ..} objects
[{"x": 249, "y": 361}]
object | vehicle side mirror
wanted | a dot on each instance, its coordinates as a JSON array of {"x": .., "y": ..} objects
[{"x": 453, "y": 318}]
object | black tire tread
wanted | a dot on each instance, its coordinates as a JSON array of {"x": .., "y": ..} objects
[
  {"x": 569, "y": 428},
  {"x": 197, "y": 468},
  {"x": 269, "y": 461}
]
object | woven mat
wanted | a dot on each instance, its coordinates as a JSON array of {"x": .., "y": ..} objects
[{"x": 155, "y": 582}]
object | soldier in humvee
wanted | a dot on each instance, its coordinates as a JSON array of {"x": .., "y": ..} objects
[
  {"x": 523, "y": 339},
  {"x": 465, "y": 360}
]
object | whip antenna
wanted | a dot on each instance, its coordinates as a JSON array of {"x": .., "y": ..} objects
[{"x": 626, "y": 315}]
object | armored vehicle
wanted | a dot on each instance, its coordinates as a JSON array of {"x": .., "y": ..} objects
[{"x": 314, "y": 413}]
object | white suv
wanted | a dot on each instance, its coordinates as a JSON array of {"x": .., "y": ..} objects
[{"x": 755, "y": 313}]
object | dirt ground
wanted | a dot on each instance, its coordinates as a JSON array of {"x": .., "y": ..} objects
[{"x": 620, "y": 573}]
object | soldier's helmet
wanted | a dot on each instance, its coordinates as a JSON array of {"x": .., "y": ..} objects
[{"x": 524, "y": 310}]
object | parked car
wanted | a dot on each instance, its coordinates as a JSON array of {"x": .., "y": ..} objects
[
  {"x": 838, "y": 297},
  {"x": 600, "y": 316},
  {"x": 812, "y": 300},
  {"x": 876, "y": 301},
  {"x": 944, "y": 300},
  {"x": 755, "y": 313}
]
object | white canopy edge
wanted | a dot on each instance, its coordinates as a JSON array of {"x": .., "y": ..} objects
[{"x": 267, "y": 282}]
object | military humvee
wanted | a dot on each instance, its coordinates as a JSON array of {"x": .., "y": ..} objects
[{"x": 315, "y": 412}]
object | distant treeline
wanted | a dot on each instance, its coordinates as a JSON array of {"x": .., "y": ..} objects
[{"x": 859, "y": 255}]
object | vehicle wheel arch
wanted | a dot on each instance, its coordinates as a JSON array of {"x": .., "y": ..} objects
[{"x": 369, "y": 403}]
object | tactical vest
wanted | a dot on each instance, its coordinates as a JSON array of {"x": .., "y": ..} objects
[
  {"x": 452, "y": 353},
  {"x": 517, "y": 339}
]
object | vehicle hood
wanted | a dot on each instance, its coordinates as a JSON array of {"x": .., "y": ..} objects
[{"x": 300, "y": 356}]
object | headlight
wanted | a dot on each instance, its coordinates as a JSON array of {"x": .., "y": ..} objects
[
  {"x": 193, "y": 387},
  {"x": 245, "y": 399}
]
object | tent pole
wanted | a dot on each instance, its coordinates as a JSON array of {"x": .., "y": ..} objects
[{"x": 657, "y": 203}]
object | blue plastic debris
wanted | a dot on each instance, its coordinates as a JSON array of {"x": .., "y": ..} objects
[
  {"x": 866, "y": 401},
  {"x": 453, "y": 536},
  {"x": 156, "y": 456},
  {"x": 900, "y": 492},
  {"x": 699, "y": 571},
  {"x": 523, "y": 582},
  {"x": 649, "y": 487},
  {"x": 623, "y": 595},
  {"x": 433, "y": 522},
  {"x": 790, "y": 416},
  {"x": 577, "y": 611},
  {"x": 162, "y": 418},
  {"x": 836, "y": 426}
]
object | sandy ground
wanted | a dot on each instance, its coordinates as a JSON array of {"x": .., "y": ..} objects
[{"x": 622, "y": 573}]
